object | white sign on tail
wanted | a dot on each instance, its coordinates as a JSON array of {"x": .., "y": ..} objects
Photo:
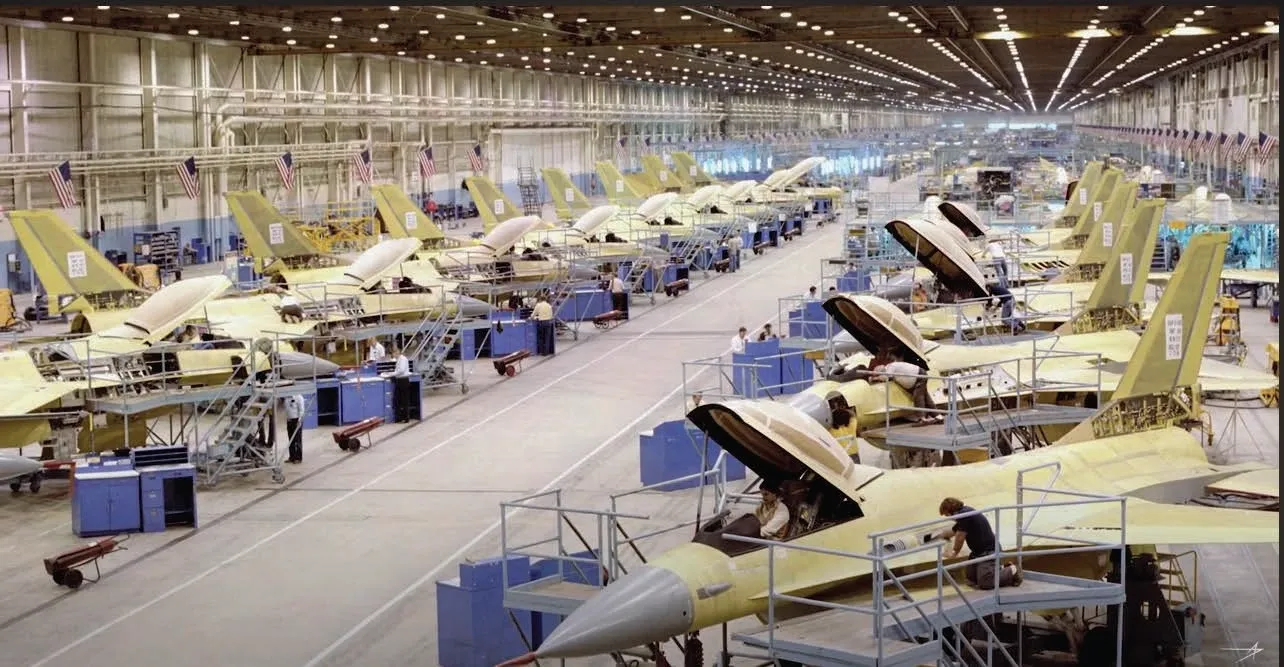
[
  {"x": 1096, "y": 211},
  {"x": 664, "y": 176},
  {"x": 276, "y": 234},
  {"x": 570, "y": 195},
  {"x": 499, "y": 207},
  {"x": 77, "y": 265},
  {"x": 691, "y": 170},
  {"x": 1172, "y": 336},
  {"x": 1125, "y": 269},
  {"x": 1108, "y": 234},
  {"x": 619, "y": 186},
  {"x": 1083, "y": 197},
  {"x": 412, "y": 220}
]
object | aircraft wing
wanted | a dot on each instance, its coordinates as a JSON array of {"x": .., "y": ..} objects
[
  {"x": 1264, "y": 483},
  {"x": 1156, "y": 523},
  {"x": 1264, "y": 276}
]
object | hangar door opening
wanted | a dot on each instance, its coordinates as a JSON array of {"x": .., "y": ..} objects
[{"x": 569, "y": 149}]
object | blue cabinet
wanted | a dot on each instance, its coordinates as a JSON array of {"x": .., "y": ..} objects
[
  {"x": 105, "y": 503},
  {"x": 168, "y": 496},
  {"x": 363, "y": 397},
  {"x": 509, "y": 336},
  {"x": 583, "y": 305},
  {"x": 416, "y": 401}
]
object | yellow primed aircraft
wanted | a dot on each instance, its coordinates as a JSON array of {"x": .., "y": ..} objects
[
  {"x": 1067, "y": 368},
  {"x": 1130, "y": 242},
  {"x": 837, "y": 504}
]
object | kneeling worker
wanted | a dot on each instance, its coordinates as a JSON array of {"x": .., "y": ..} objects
[
  {"x": 974, "y": 529},
  {"x": 542, "y": 314},
  {"x": 773, "y": 516}
]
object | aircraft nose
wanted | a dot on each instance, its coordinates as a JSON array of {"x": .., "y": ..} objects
[
  {"x": 14, "y": 466},
  {"x": 471, "y": 307},
  {"x": 579, "y": 271},
  {"x": 302, "y": 366},
  {"x": 648, "y": 605}
]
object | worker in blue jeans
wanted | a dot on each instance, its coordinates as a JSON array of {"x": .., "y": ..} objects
[{"x": 545, "y": 333}]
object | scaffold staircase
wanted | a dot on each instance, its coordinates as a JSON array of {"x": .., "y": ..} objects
[
  {"x": 528, "y": 187},
  {"x": 232, "y": 444},
  {"x": 430, "y": 345}
]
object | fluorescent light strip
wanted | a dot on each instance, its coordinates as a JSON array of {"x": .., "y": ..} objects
[{"x": 1074, "y": 58}]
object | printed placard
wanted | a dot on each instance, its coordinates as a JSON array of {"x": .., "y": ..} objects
[
  {"x": 1108, "y": 234},
  {"x": 1221, "y": 211},
  {"x": 1172, "y": 336},
  {"x": 77, "y": 265},
  {"x": 664, "y": 176},
  {"x": 412, "y": 220},
  {"x": 1096, "y": 211},
  {"x": 691, "y": 170},
  {"x": 499, "y": 207},
  {"x": 570, "y": 194},
  {"x": 1125, "y": 269},
  {"x": 781, "y": 217},
  {"x": 276, "y": 234},
  {"x": 1083, "y": 197},
  {"x": 619, "y": 186}
]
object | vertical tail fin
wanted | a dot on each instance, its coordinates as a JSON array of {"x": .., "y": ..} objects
[
  {"x": 661, "y": 179},
  {"x": 1099, "y": 194},
  {"x": 568, "y": 201},
  {"x": 493, "y": 205},
  {"x": 1161, "y": 378},
  {"x": 1120, "y": 286},
  {"x": 690, "y": 171},
  {"x": 1108, "y": 229},
  {"x": 619, "y": 190},
  {"x": 70, "y": 270},
  {"x": 267, "y": 232},
  {"x": 1077, "y": 195},
  {"x": 402, "y": 218}
]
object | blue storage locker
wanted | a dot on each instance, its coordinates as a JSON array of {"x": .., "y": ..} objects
[
  {"x": 362, "y": 398},
  {"x": 416, "y": 386},
  {"x": 854, "y": 281},
  {"x": 105, "y": 502},
  {"x": 168, "y": 496},
  {"x": 510, "y": 336},
  {"x": 584, "y": 305},
  {"x": 759, "y": 361},
  {"x": 676, "y": 449}
]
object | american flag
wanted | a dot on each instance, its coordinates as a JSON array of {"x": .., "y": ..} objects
[
  {"x": 1228, "y": 145},
  {"x": 285, "y": 167},
  {"x": 622, "y": 149},
  {"x": 188, "y": 176},
  {"x": 1245, "y": 147},
  {"x": 1209, "y": 140},
  {"x": 1266, "y": 144},
  {"x": 1192, "y": 140},
  {"x": 365, "y": 170},
  {"x": 475, "y": 158},
  {"x": 427, "y": 165},
  {"x": 63, "y": 187}
]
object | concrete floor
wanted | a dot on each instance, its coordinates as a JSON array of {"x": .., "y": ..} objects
[{"x": 337, "y": 567}]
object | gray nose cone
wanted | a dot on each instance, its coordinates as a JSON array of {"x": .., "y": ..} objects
[
  {"x": 648, "y": 605},
  {"x": 16, "y": 466},
  {"x": 470, "y": 307},
  {"x": 301, "y": 366},
  {"x": 844, "y": 344},
  {"x": 584, "y": 271},
  {"x": 813, "y": 406}
]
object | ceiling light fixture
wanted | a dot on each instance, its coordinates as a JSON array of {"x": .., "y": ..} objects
[
  {"x": 374, "y": 40},
  {"x": 172, "y": 15},
  {"x": 659, "y": 10},
  {"x": 234, "y": 22},
  {"x": 104, "y": 7},
  {"x": 383, "y": 26},
  {"x": 193, "y": 32},
  {"x": 290, "y": 42},
  {"x": 329, "y": 45},
  {"x": 68, "y": 19}
]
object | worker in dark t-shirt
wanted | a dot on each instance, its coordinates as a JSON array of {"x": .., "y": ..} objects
[{"x": 972, "y": 528}]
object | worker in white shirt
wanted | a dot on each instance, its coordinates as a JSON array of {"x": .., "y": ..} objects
[
  {"x": 773, "y": 516},
  {"x": 912, "y": 378},
  {"x": 545, "y": 330},
  {"x": 619, "y": 297},
  {"x": 376, "y": 352},
  {"x": 738, "y": 341},
  {"x": 1000, "y": 260},
  {"x": 402, "y": 394},
  {"x": 294, "y": 407},
  {"x": 734, "y": 245}
]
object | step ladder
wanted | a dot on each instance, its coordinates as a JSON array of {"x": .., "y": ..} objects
[
  {"x": 635, "y": 281},
  {"x": 232, "y": 444},
  {"x": 429, "y": 347},
  {"x": 528, "y": 186},
  {"x": 558, "y": 295}
]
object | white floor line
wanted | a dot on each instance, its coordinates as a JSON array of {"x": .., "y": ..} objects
[{"x": 410, "y": 461}]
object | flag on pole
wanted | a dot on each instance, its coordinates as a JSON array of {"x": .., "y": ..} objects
[
  {"x": 188, "y": 175},
  {"x": 427, "y": 165},
  {"x": 365, "y": 170},
  {"x": 62, "y": 185},
  {"x": 476, "y": 160},
  {"x": 1266, "y": 144},
  {"x": 285, "y": 167},
  {"x": 1245, "y": 147},
  {"x": 621, "y": 149}
]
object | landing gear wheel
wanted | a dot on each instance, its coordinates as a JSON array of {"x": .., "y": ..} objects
[
  {"x": 15, "y": 486},
  {"x": 278, "y": 477},
  {"x": 73, "y": 579},
  {"x": 510, "y": 371},
  {"x": 34, "y": 485},
  {"x": 60, "y": 577}
]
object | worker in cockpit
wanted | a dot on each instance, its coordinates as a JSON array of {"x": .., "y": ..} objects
[{"x": 773, "y": 516}]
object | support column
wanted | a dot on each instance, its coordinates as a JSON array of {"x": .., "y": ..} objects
[
  {"x": 90, "y": 206},
  {"x": 151, "y": 128}
]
